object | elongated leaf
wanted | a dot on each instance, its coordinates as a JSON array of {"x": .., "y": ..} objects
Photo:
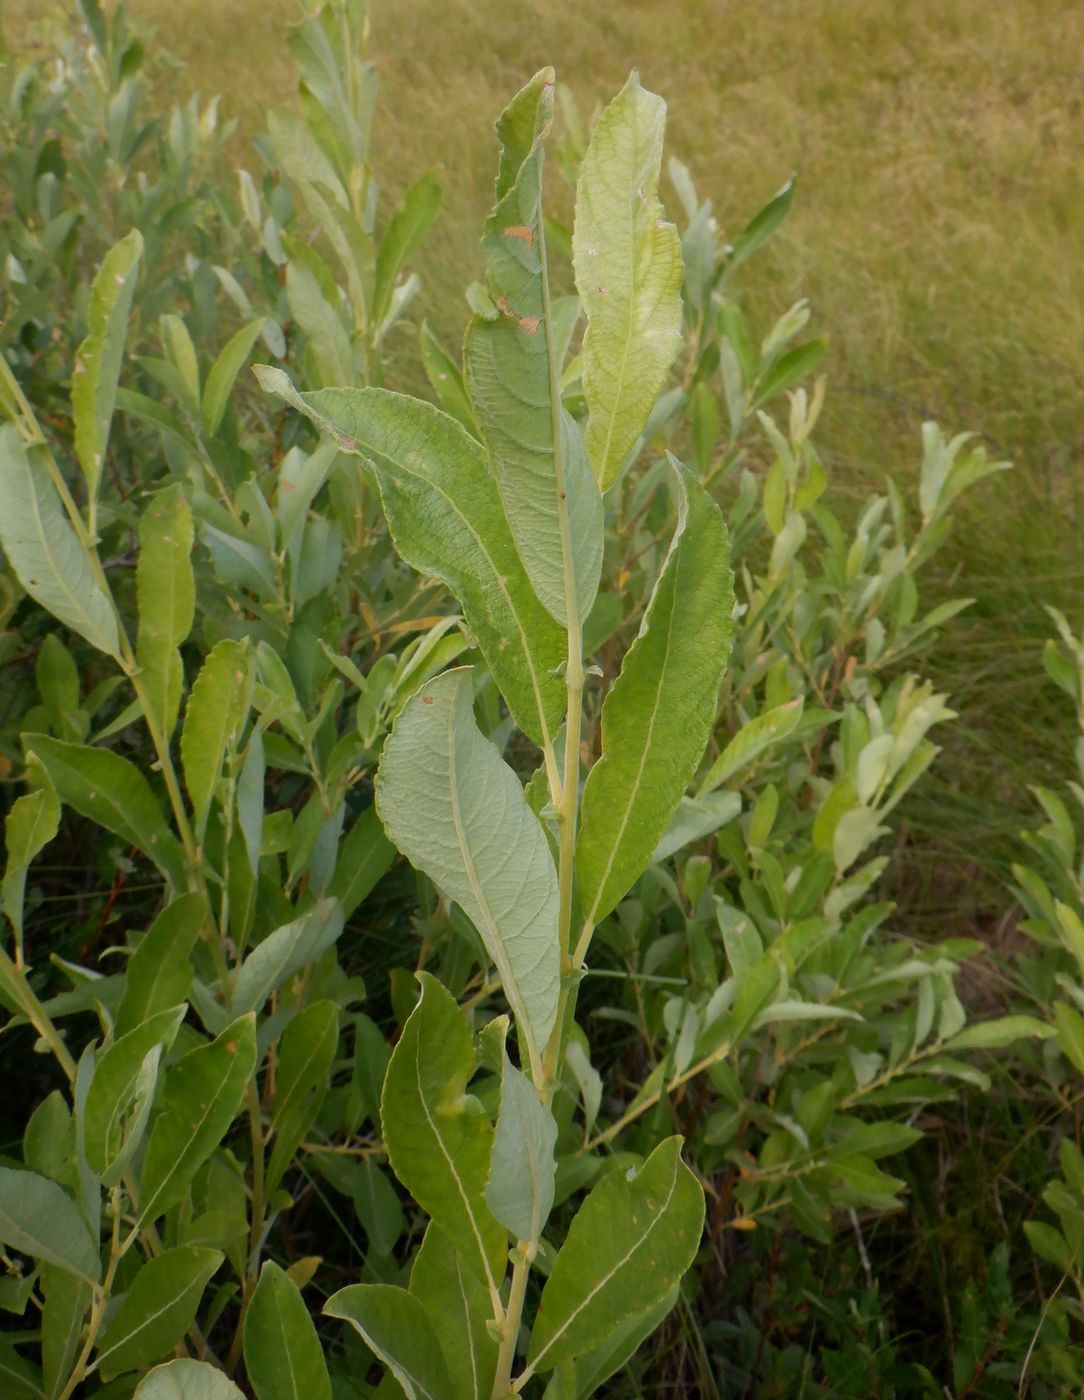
[
  {"x": 306, "y": 1054},
  {"x": 101, "y": 785},
  {"x": 20, "y": 1380},
  {"x": 38, "y": 1218},
  {"x": 216, "y": 711},
  {"x": 283, "y": 1356},
  {"x": 447, "y": 379},
  {"x": 203, "y": 1095},
  {"x": 458, "y": 1305},
  {"x": 395, "y": 1327},
  {"x": 446, "y": 518},
  {"x": 457, "y": 811},
  {"x": 187, "y": 1380},
  {"x": 761, "y": 226},
  {"x": 627, "y": 1247},
  {"x": 284, "y": 952},
  {"x": 438, "y": 1140},
  {"x": 120, "y": 1088},
  {"x": 629, "y": 271},
  {"x": 364, "y": 856},
  {"x": 751, "y": 741},
  {"x": 658, "y": 716},
  {"x": 224, "y": 372},
  {"x": 513, "y": 372},
  {"x": 520, "y": 1187},
  {"x": 1002, "y": 1030},
  {"x": 166, "y": 589},
  {"x": 158, "y": 1308},
  {"x": 44, "y": 550},
  {"x": 159, "y": 972},
  {"x": 98, "y": 360},
  {"x": 67, "y": 1300},
  {"x": 404, "y": 235},
  {"x": 600, "y": 1363},
  {"x": 31, "y": 824}
]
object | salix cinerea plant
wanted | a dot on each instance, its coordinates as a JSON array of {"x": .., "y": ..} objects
[{"x": 512, "y": 520}]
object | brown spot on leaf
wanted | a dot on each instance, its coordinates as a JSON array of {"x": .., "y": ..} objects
[
  {"x": 231, "y": 1046},
  {"x": 427, "y": 699},
  {"x": 521, "y": 231}
]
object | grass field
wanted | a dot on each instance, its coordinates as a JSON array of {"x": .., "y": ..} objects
[{"x": 936, "y": 234}]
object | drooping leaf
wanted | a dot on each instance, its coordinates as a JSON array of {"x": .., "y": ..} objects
[
  {"x": 31, "y": 824},
  {"x": 67, "y": 1300},
  {"x": 38, "y": 1218},
  {"x": 283, "y": 1356},
  {"x": 521, "y": 1173},
  {"x": 98, "y": 359},
  {"x": 444, "y": 794},
  {"x": 658, "y": 716},
  {"x": 223, "y": 373},
  {"x": 513, "y": 375},
  {"x": 438, "y": 1140},
  {"x": 43, "y": 548},
  {"x": 203, "y": 1094},
  {"x": 158, "y": 1308},
  {"x": 629, "y": 1244},
  {"x": 216, "y": 711},
  {"x": 166, "y": 590},
  {"x": 458, "y": 1305},
  {"x": 446, "y": 518},
  {"x": 187, "y": 1380},
  {"x": 159, "y": 972},
  {"x": 395, "y": 1327},
  {"x": 284, "y": 952},
  {"x": 101, "y": 785},
  {"x": 305, "y": 1056},
  {"x": 629, "y": 271}
]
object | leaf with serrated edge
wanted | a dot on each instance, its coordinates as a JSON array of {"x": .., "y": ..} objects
[
  {"x": 458, "y": 1306},
  {"x": 658, "y": 716},
  {"x": 98, "y": 359},
  {"x": 44, "y": 550},
  {"x": 216, "y": 711},
  {"x": 203, "y": 1094},
  {"x": 630, "y": 1242},
  {"x": 439, "y": 1142},
  {"x": 521, "y": 1173},
  {"x": 186, "y": 1380},
  {"x": 39, "y": 1218},
  {"x": 446, "y": 519},
  {"x": 629, "y": 271},
  {"x": 283, "y": 1356},
  {"x": 101, "y": 785},
  {"x": 394, "y": 1326},
  {"x": 166, "y": 589},
  {"x": 457, "y": 811},
  {"x": 512, "y": 373},
  {"x": 158, "y": 1308}
]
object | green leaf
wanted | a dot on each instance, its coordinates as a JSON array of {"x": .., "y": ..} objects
[
  {"x": 1049, "y": 1244},
  {"x": 1070, "y": 1026},
  {"x": 658, "y": 716},
  {"x": 166, "y": 589},
  {"x": 31, "y": 824},
  {"x": 38, "y": 1218},
  {"x": 237, "y": 561},
  {"x": 122, "y": 1090},
  {"x": 629, "y": 271},
  {"x": 751, "y": 740},
  {"x": 458, "y": 1305},
  {"x": 186, "y": 1380},
  {"x": 439, "y": 1142},
  {"x": 521, "y": 1172},
  {"x": 159, "y": 972},
  {"x": 67, "y": 1300},
  {"x": 305, "y": 1056},
  {"x": 203, "y": 1094},
  {"x": 795, "y": 365},
  {"x": 394, "y": 1326},
  {"x": 223, "y": 373},
  {"x": 364, "y": 856},
  {"x": 1003, "y": 1030},
  {"x": 98, "y": 359},
  {"x": 213, "y": 719},
  {"x": 101, "y": 785},
  {"x": 283, "y": 1356},
  {"x": 45, "y": 551},
  {"x": 20, "y": 1380},
  {"x": 602, "y": 1362},
  {"x": 402, "y": 238},
  {"x": 329, "y": 343},
  {"x": 629, "y": 1244},
  {"x": 761, "y": 226},
  {"x": 290, "y": 948},
  {"x": 447, "y": 379},
  {"x": 513, "y": 372},
  {"x": 158, "y": 1308},
  {"x": 447, "y": 521},
  {"x": 442, "y": 791}
]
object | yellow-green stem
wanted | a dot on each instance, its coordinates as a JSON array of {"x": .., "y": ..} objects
[
  {"x": 517, "y": 1292},
  {"x": 15, "y": 984}
]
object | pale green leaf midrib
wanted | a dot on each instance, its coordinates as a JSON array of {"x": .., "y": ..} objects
[
  {"x": 468, "y": 1324},
  {"x": 224, "y": 1084},
  {"x": 175, "y": 1301},
  {"x": 618, "y": 1265}
]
